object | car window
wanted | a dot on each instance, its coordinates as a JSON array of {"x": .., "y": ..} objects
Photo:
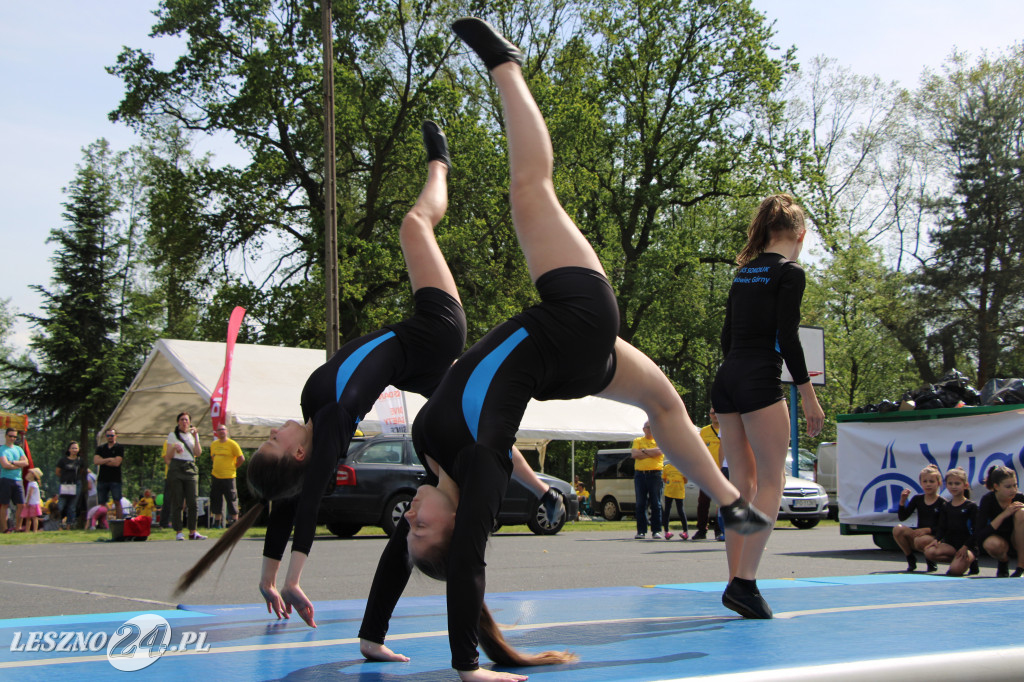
[{"x": 382, "y": 453}]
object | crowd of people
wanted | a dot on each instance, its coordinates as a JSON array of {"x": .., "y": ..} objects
[{"x": 83, "y": 499}]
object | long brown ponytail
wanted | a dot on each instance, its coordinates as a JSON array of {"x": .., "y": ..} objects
[
  {"x": 225, "y": 544},
  {"x": 498, "y": 650},
  {"x": 492, "y": 641},
  {"x": 777, "y": 213}
]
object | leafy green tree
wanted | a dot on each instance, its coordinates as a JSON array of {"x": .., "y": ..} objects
[
  {"x": 972, "y": 281},
  {"x": 82, "y": 368}
]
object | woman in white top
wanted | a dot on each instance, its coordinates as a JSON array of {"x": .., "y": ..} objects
[{"x": 183, "y": 449}]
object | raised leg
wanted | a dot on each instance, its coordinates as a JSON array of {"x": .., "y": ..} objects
[
  {"x": 548, "y": 237},
  {"x": 423, "y": 258}
]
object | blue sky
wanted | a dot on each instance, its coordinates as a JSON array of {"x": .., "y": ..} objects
[{"x": 52, "y": 57}]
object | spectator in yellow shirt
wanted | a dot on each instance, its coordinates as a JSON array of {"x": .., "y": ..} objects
[
  {"x": 227, "y": 457},
  {"x": 146, "y": 505},
  {"x": 647, "y": 483},
  {"x": 675, "y": 490},
  {"x": 708, "y": 434}
]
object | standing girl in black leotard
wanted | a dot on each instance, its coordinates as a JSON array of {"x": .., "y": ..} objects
[
  {"x": 761, "y": 329},
  {"x": 565, "y": 347}
]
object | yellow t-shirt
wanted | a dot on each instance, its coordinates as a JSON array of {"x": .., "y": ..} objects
[
  {"x": 224, "y": 456},
  {"x": 647, "y": 463},
  {"x": 711, "y": 439},
  {"x": 145, "y": 506},
  {"x": 675, "y": 482}
]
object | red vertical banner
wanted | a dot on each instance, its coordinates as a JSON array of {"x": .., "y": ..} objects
[{"x": 219, "y": 398}]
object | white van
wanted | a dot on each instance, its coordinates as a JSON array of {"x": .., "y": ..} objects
[{"x": 827, "y": 476}]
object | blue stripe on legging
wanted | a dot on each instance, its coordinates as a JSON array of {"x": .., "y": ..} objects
[
  {"x": 348, "y": 367},
  {"x": 480, "y": 380}
]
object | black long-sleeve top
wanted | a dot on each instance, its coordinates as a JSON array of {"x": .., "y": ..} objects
[
  {"x": 956, "y": 525},
  {"x": 927, "y": 514},
  {"x": 763, "y": 313},
  {"x": 988, "y": 509}
]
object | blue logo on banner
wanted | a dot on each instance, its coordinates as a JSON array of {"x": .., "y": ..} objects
[{"x": 883, "y": 492}]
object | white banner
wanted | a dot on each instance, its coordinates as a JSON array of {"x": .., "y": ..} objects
[
  {"x": 876, "y": 460},
  {"x": 390, "y": 408}
]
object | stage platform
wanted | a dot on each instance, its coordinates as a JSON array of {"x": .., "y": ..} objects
[{"x": 869, "y": 627}]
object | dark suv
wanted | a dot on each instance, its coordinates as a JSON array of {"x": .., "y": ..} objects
[{"x": 374, "y": 484}]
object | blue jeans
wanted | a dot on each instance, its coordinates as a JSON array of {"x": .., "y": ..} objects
[
  {"x": 109, "y": 490},
  {"x": 648, "y": 486},
  {"x": 66, "y": 507}
]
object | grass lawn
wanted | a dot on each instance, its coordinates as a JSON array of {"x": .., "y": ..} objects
[{"x": 161, "y": 534}]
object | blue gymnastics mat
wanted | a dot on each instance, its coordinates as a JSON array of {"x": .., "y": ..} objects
[{"x": 859, "y": 627}]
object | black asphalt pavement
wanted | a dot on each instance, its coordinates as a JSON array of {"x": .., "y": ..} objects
[{"x": 106, "y": 577}]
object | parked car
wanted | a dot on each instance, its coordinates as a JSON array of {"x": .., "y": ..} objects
[
  {"x": 804, "y": 502},
  {"x": 374, "y": 484},
  {"x": 808, "y": 464}
]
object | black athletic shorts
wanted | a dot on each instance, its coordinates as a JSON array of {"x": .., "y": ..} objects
[
  {"x": 746, "y": 383},
  {"x": 411, "y": 355},
  {"x": 562, "y": 348}
]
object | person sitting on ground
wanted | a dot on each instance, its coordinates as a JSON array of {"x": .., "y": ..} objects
[
  {"x": 928, "y": 506},
  {"x": 1000, "y": 525},
  {"x": 955, "y": 540}
]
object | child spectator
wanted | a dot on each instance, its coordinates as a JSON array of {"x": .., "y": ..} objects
[
  {"x": 675, "y": 490},
  {"x": 97, "y": 517},
  {"x": 954, "y": 532},
  {"x": 927, "y": 507},
  {"x": 32, "y": 510},
  {"x": 146, "y": 505},
  {"x": 1001, "y": 521}
]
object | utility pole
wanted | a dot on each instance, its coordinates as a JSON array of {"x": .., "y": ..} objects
[{"x": 330, "y": 186}]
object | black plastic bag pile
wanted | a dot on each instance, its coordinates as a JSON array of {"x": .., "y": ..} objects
[{"x": 952, "y": 390}]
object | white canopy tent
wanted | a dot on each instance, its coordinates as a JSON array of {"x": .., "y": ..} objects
[{"x": 266, "y": 382}]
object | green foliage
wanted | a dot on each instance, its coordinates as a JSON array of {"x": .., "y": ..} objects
[
  {"x": 972, "y": 283},
  {"x": 83, "y": 367}
]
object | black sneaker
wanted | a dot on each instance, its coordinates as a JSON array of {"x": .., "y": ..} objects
[
  {"x": 436, "y": 143},
  {"x": 554, "y": 507},
  {"x": 911, "y": 563},
  {"x": 740, "y": 517},
  {"x": 700, "y": 535},
  {"x": 492, "y": 47},
  {"x": 743, "y": 597},
  {"x": 1002, "y": 570}
]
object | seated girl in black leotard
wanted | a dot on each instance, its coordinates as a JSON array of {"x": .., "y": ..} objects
[
  {"x": 955, "y": 540},
  {"x": 564, "y": 347}
]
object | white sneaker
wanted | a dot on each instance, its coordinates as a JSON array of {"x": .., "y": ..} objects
[
  {"x": 179, "y": 536},
  {"x": 656, "y": 536},
  {"x": 196, "y": 536}
]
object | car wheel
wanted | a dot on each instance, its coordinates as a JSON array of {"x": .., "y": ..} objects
[
  {"x": 804, "y": 524},
  {"x": 343, "y": 530},
  {"x": 610, "y": 509},
  {"x": 538, "y": 522},
  {"x": 393, "y": 512}
]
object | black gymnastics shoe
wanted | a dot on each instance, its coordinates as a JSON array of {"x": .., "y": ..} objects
[
  {"x": 974, "y": 569},
  {"x": 743, "y": 597},
  {"x": 1002, "y": 569},
  {"x": 741, "y": 518},
  {"x": 489, "y": 45},
  {"x": 930, "y": 566},
  {"x": 554, "y": 507},
  {"x": 436, "y": 144}
]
